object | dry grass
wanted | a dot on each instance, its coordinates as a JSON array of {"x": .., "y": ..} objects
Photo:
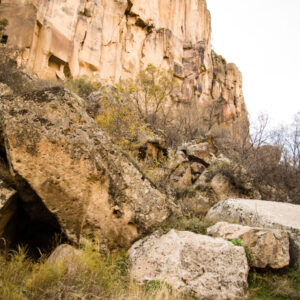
[
  {"x": 92, "y": 276},
  {"x": 274, "y": 284},
  {"x": 97, "y": 276}
]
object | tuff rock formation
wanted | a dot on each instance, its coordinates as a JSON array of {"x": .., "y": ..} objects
[
  {"x": 266, "y": 247},
  {"x": 69, "y": 174},
  {"x": 194, "y": 264},
  {"x": 113, "y": 39},
  {"x": 266, "y": 214}
]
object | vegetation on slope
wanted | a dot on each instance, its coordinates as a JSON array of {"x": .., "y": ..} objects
[{"x": 98, "y": 276}]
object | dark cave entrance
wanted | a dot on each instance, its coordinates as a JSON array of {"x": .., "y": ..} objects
[
  {"x": 30, "y": 224},
  {"x": 33, "y": 227},
  {"x": 4, "y": 39}
]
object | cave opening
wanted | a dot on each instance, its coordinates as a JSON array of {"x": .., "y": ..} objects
[
  {"x": 25, "y": 220},
  {"x": 33, "y": 228},
  {"x": 4, "y": 39},
  {"x": 61, "y": 68}
]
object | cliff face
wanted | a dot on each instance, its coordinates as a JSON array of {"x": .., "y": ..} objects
[{"x": 113, "y": 39}]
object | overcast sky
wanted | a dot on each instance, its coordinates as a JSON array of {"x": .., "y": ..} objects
[{"x": 262, "y": 37}]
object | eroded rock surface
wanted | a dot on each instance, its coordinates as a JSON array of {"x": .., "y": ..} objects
[
  {"x": 59, "y": 156},
  {"x": 267, "y": 247},
  {"x": 266, "y": 214},
  {"x": 198, "y": 265}
]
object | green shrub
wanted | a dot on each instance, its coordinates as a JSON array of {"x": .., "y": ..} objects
[
  {"x": 183, "y": 223},
  {"x": 81, "y": 86},
  {"x": 268, "y": 284},
  {"x": 3, "y": 24}
]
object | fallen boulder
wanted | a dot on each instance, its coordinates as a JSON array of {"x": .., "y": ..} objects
[
  {"x": 193, "y": 264},
  {"x": 266, "y": 247},
  {"x": 266, "y": 214},
  {"x": 62, "y": 157}
]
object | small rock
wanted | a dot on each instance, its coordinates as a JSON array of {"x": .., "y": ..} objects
[
  {"x": 193, "y": 264},
  {"x": 197, "y": 168},
  {"x": 200, "y": 151},
  {"x": 221, "y": 186},
  {"x": 5, "y": 90},
  {"x": 67, "y": 255}
]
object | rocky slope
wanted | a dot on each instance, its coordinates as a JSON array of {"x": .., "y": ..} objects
[{"x": 106, "y": 39}]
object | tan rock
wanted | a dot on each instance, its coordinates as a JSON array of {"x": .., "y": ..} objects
[
  {"x": 106, "y": 40},
  {"x": 67, "y": 256},
  {"x": 266, "y": 214},
  {"x": 197, "y": 168},
  {"x": 200, "y": 151},
  {"x": 76, "y": 171},
  {"x": 5, "y": 90},
  {"x": 221, "y": 186},
  {"x": 267, "y": 247},
  {"x": 186, "y": 179},
  {"x": 193, "y": 264}
]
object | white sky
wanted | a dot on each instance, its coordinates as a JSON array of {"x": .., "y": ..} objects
[{"x": 262, "y": 37}]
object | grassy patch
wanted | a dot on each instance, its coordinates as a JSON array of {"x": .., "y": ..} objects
[
  {"x": 183, "y": 223},
  {"x": 274, "y": 284}
]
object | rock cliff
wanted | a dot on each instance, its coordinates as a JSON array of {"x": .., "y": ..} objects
[{"x": 113, "y": 39}]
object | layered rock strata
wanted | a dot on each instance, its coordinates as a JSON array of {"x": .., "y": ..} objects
[{"x": 107, "y": 39}]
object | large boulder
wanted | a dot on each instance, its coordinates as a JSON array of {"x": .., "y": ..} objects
[
  {"x": 267, "y": 247},
  {"x": 60, "y": 157},
  {"x": 198, "y": 265},
  {"x": 266, "y": 214}
]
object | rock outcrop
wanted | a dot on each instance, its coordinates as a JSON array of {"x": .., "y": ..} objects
[
  {"x": 266, "y": 214},
  {"x": 107, "y": 39},
  {"x": 193, "y": 264},
  {"x": 266, "y": 247},
  {"x": 65, "y": 167}
]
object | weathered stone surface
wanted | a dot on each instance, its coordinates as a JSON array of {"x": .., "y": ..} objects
[
  {"x": 200, "y": 151},
  {"x": 107, "y": 39},
  {"x": 202, "y": 266},
  {"x": 73, "y": 167},
  {"x": 267, "y": 247},
  {"x": 221, "y": 186},
  {"x": 266, "y": 214}
]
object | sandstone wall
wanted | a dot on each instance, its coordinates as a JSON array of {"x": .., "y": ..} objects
[{"x": 113, "y": 39}]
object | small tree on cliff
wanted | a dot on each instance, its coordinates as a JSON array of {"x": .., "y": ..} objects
[
  {"x": 3, "y": 24},
  {"x": 150, "y": 92}
]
